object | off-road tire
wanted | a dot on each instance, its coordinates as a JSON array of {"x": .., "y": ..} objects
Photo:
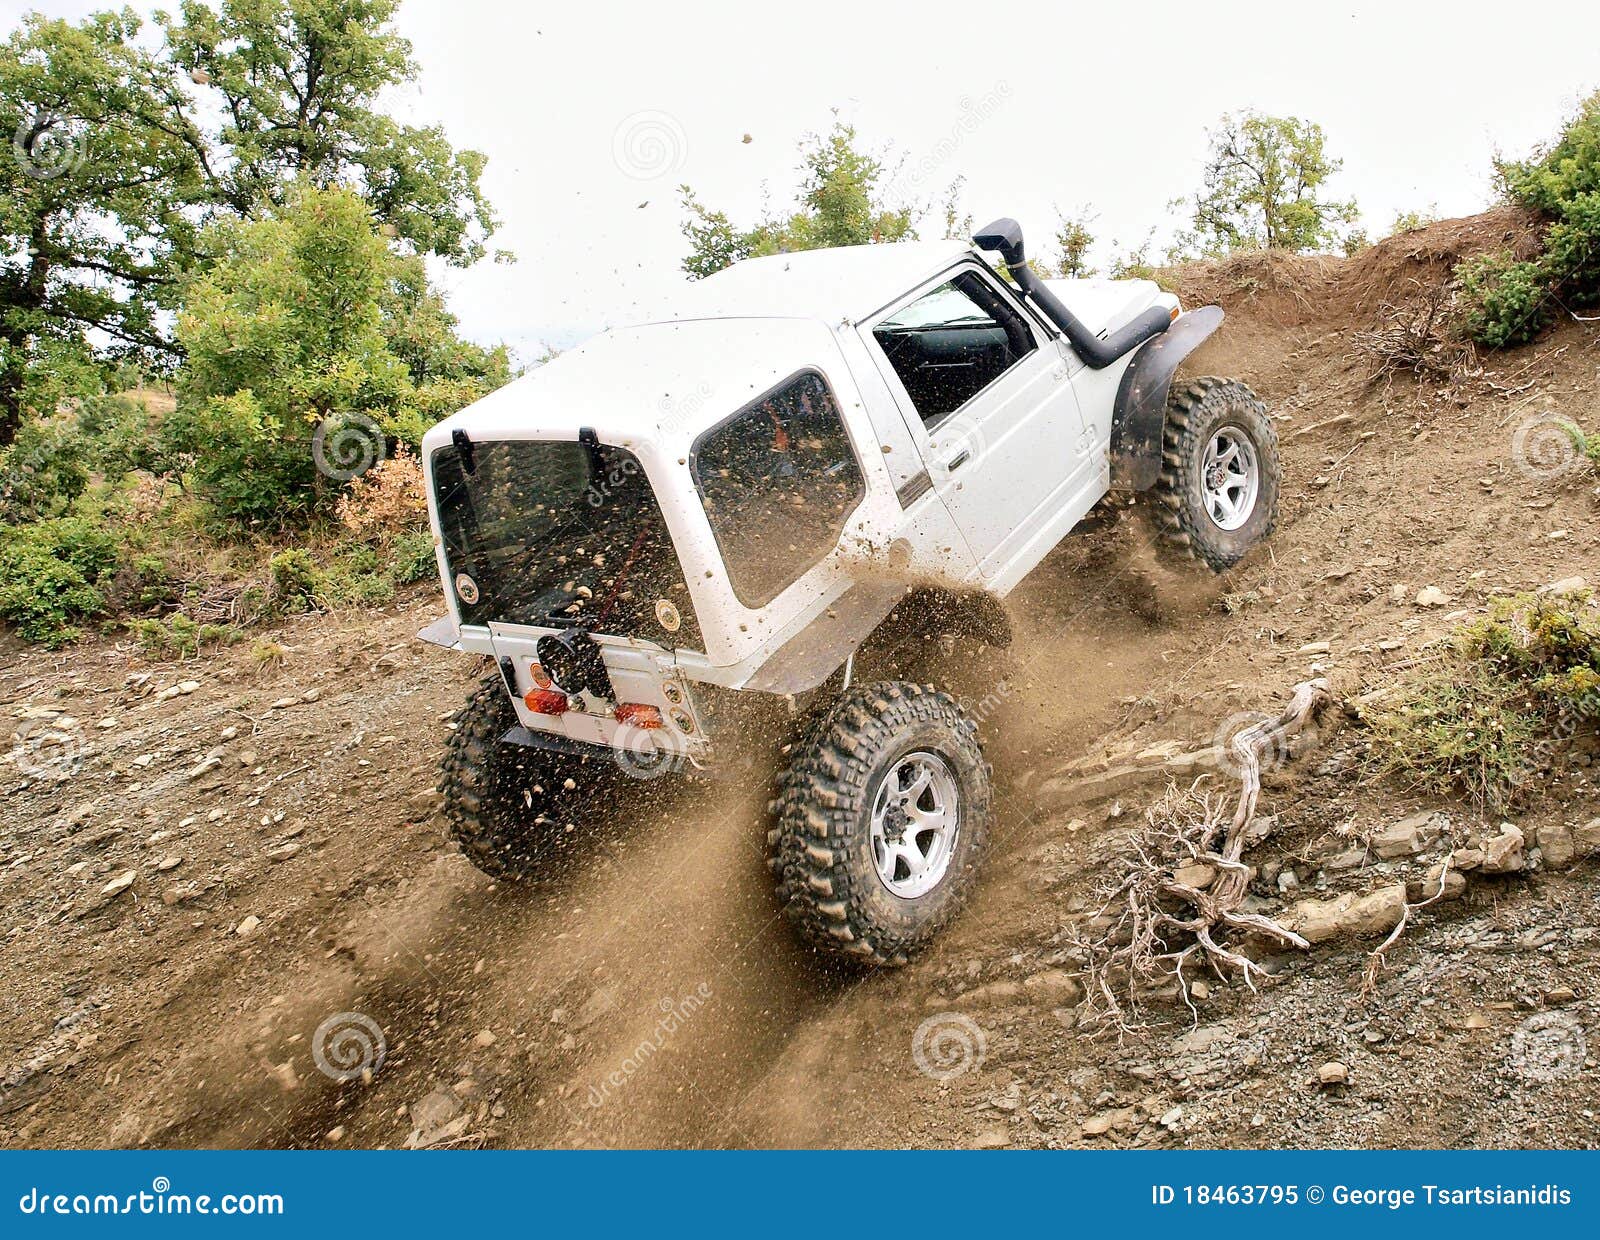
[
  {"x": 507, "y": 805},
  {"x": 1195, "y": 412},
  {"x": 819, "y": 847}
]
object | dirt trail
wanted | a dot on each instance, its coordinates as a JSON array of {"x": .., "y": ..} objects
[{"x": 652, "y": 994}]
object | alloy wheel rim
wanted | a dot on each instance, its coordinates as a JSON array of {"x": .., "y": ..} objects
[
  {"x": 916, "y": 821},
  {"x": 1230, "y": 477}
]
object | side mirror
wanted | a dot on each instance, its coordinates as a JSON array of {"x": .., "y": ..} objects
[{"x": 1005, "y": 236}]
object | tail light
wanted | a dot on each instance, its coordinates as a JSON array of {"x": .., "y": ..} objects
[
  {"x": 639, "y": 715},
  {"x": 541, "y": 678},
  {"x": 545, "y": 702}
]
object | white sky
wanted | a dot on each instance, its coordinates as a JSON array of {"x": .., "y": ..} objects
[{"x": 1102, "y": 104}]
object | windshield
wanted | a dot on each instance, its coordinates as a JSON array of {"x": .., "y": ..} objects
[{"x": 557, "y": 533}]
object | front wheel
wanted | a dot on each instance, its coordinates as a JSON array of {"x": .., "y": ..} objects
[
  {"x": 1220, "y": 472},
  {"x": 881, "y": 821}
]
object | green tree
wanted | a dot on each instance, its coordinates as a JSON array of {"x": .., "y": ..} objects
[
  {"x": 125, "y": 153},
  {"x": 1263, "y": 188},
  {"x": 300, "y": 343},
  {"x": 299, "y": 84},
  {"x": 1073, "y": 240},
  {"x": 92, "y": 221},
  {"x": 840, "y": 203}
]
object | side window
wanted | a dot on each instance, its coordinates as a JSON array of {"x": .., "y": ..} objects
[
  {"x": 778, "y": 480},
  {"x": 952, "y": 342}
]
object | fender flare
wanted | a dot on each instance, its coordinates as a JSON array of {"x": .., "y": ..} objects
[{"x": 1140, "y": 412}]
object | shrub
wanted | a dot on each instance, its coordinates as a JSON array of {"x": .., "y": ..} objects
[
  {"x": 295, "y": 579},
  {"x": 179, "y": 636},
  {"x": 1504, "y": 300},
  {"x": 44, "y": 470},
  {"x": 414, "y": 558},
  {"x": 1511, "y": 687},
  {"x": 51, "y": 576},
  {"x": 388, "y": 498}
]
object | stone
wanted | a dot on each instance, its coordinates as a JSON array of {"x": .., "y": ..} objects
[
  {"x": 1053, "y": 988},
  {"x": 1200, "y": 990},
  {"x": 1560, "y": 994},
  {"x": 1350, "y": 859},
  {"x": 1468, "y": 858},
  {"x": 1431, "y": 596},
  {"x": 1333, "y": 1073},
  {"x": 1427, "y": 888},
  {"x": 1377, "y": 912},
  {"x": 484, "y": 1039},
  {"x": 1586, "y": 839},
  {"x": 286, "y": 1077},
  {"x": 1315, "y": 648},
  {"x": 991, "y": 1139},
  {"x": 248, "y": 926},
  {"x": 1557, "y": 845},
  {"x": 1172, "y": 1118},
  {"x": 1567, "y": 585},
  {"x": 1197, "y": 875},
  {"x": 995, "y": 994},
  {"x": 1405, "y": 838},
  {"x": 168, "y": 863},
  {"x": 283, "y": 852},
  {"x": 1503, "y": 853},
  {"x": 120, "y": 883},
  {"x": 1099, "y": 1125},
  {"x": 336, "y": 1135}
]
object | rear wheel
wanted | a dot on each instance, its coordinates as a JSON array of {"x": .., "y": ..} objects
[
  {"x": 1219, "y": 471},
  {"x": 511, "y": 808},
  {"x": 881, "y": 821}
]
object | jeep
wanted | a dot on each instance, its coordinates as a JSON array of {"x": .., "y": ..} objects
[{"x": 674, "y": 540}]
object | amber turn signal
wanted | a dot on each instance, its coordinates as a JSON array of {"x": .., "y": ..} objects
[
  {"x": 639, "y": 715},
  {"x": 545, "y": 702}
]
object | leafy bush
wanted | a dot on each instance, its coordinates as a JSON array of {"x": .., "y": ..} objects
[
  {"x": 1512, "y": 687},
  {"x": 179, "y": 636},
  {"x": 44, "y": 470},
  {"x": 295, "y": 579},
  {"x": 51, "y": 576},
  {"x": 1506, "y": 301},
  {"x": 414, "y": 558}
]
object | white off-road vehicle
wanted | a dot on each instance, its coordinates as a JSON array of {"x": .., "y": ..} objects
[{"x": 675, "y": 540}]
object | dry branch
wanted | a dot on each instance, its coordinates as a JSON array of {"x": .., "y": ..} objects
[
  {"x": 1415, "y": 336},
  {"x": 1155, "y": 924}
]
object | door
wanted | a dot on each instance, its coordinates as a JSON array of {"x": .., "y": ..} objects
[{"x": 986, "y": 395}]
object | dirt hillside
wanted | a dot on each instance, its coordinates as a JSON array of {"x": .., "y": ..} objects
[{"x": 244, "y": 888}]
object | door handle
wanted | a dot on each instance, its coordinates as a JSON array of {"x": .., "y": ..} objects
[{"x": 957, "y": 461}]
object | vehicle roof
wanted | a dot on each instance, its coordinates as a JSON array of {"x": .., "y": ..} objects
[
  {"x": 847, "y": 283},
  {"x": 659, "y": 384}
]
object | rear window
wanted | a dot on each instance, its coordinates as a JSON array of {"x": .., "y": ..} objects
[
  {"x": 557, "y": 533},
  {"x": 778, "y": 480}
]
